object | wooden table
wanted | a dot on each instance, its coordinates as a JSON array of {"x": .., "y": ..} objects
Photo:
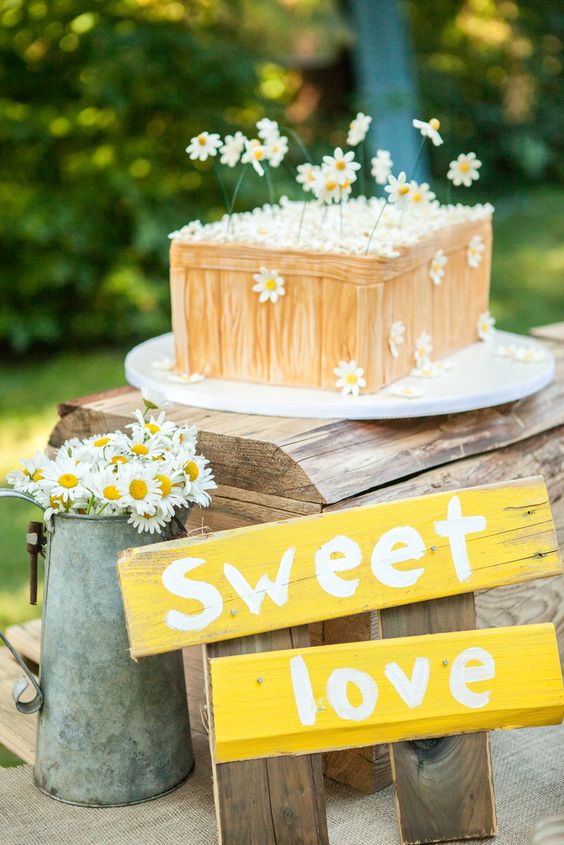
[{"x": 272, "y": 468}]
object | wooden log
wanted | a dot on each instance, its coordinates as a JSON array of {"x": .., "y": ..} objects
[
  {"x": 272, "y": 801},
  {"x": 444, "y": 787}
]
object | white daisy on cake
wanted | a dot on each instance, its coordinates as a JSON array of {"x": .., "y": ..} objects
[
  {"x": 203, "y": 146},
  {"x": 232, "y": 149},
  {"x": 485, "y": 326},
  {"x": 349, "y": 378},
  {"x": 326, "y": 188},
  {"x": 429, "y": 129},
  {"x": 381, "y": 166},
  {"x": 255, "y": 152},
  {"x": 269, "y": 284},
  {"x": 464, "y": 169},
  {"x": 437, "y": 267},
  {"x": 396, "y": 337},
  {"x": 341, "y": 167},
  {"x": 276, "y": 149},
  {"x": 405, "y": 392},
  {"x": 423, "y": 349},
  {"x": 267, "y": 129},
  {"x": 306, "y": 175},
  {"x": 398, "y": 190},
  {"x": 475, "y": 249},
  {"x": 358, "y": 129},
  {"x": 420, "y": 193}
]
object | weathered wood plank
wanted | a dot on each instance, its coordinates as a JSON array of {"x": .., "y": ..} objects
[
  {"x": 554, "y": 332},
  {"x": 17, "y": 730},
  {"x": 278, "y": 801},
  {"x": 434, "y": 778},
  {"x": 507, "y": 530},
  {"x": 326, "y": 461},
  {"x": 26, "y": 638},
  {"x": 300, "y": 701}
]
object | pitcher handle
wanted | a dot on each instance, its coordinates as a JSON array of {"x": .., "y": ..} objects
[{"x": 22, "y": 684}]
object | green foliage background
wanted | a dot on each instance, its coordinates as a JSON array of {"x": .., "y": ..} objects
[{"x": 98, "y": 100}]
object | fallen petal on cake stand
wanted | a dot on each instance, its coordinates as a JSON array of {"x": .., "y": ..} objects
[{"x": 480, "y": 378}]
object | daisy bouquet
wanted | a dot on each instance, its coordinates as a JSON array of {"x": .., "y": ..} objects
[{"x": 148, "y": 472}]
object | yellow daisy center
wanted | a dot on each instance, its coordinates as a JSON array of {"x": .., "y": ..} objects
[
  {"x": 258, "y": 154},
  {"x": 37, "y": 475},
  {"x": 138, "y": 489},
  {"x": 464, "y": 167},
  {"x": 340, "y": 165},
  {"x": 435, "y": 124},
  {"x": 26, "y": 472},
  {"x": 68, "y": 480},
  {"x": 119, "y": 459},
  {"x": 152, "y": 427},
  {"x": 55, "y": 501},
  {"x": 111, "y": 492},
  {"x": 202, "y": 140},
  {"x": 416, "y": 197},
  {"x": 351, "y": 378},
  {"x": 147, "y": 515},
  {"x": 270, "y": 284},
  {"x": 139, "y": 449},
  {"x": 403, "y": 190},
  {"x": 165, "y": 484},
  {"x": 191, "y": 469},
  {"x": 330, "y": 185},
  {"x": 310, "y": 176},
  {"x": 102, "y": 441}
]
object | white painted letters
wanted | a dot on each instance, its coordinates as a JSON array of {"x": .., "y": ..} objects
[
  {"x": 303, "y": 693},
  {"x": 326, "y": 566},
  {"x": 385, "y": 556},
  {"x": 175, "y": 582},
  {"x": 461, "y": 674},
  {"x": 411, "y": 690},
  {"x": 276, "y": 590},
  {"x": 337, "y": 694},
  {"x": 456, "y": 527}
]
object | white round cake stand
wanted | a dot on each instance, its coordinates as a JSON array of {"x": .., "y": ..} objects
[{"x": 479, "y": 378}]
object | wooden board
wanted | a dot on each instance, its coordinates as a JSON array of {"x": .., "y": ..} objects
[
  {"x": 299, "y": 701},
  {"x": 17, "y": 730},
  {"x": 554, "y": 331},
  {"x": 278, "y": 801},
  {"x": 393, "y": 554},
  {"x": 322, "y": 461},
  {"x": 26, "y": 639},
  {"x": 434, "y": 777}
]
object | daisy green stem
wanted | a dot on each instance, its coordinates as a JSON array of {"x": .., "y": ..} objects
[
  {"x": 90, "y": 504},
  {"x": 221, "y": 183},
  {"x": 102, "y": 509},
  {"x": 374, "y": 228},
  {"x": 418, "y": 159},
  {"x": 234, "y": 199},
  {"x": 298, "y": 141},
  {"x": 302, "y": 216},
  {"x": 268, "y": 178}
]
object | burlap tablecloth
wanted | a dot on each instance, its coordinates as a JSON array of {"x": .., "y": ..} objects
[{"x": 528, "y": 776}]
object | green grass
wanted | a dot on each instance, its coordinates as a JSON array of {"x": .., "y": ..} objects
[{"x": 527, "y": 290}]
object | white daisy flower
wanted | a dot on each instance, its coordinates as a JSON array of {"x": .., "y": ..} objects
[
  {"x": 485, "y": 326},
  {"x": 428, "y": 370},
  {"x": 326, "y": 188},
  {"x": 232, "y": 149},
  {"x": 475, "y": 249},
  {"x": 381, "y": 166},
  {"x": 464, "y": 170},
  {"x": 153, "y": 523},
  {"x": 276, "y": 149},
  {"x": 186, "y": 378},
  {"x": 184, "y": 440},
  {"x": 63, "y": 477},
  {"x": 27, "y": 480},
  {"x": 429, "y": 129},
  {"x": 139, "y": 488},
  {"x": 423, "y": 349},
  {"x": 420, "y": 194},
  {"x": 103, "y": 484},
  {"x": 306, "y": 175},
  {"x": 341, "y": 167},
  {"x": 139, "y": 444},
  {"x": 199, "y": 479},
  {"x": 398, "y": 190},
  {"x": 269, "y": 284},
  {"x": 267, "y": 129},
  {"x": 437, "y": 267},
  {"x": 358, "y": 129},
  {"x": 405, "y": 392},
  {"x": 528, "y": 354},
  {"x": 396, "y": 337},
  {"x": 153, "y": 399},
  {"x": 349, "y": 378},
  {"x": 172, "y": 483},
  {"x": 203, "y": 146},
  {"x": 162, "y": 364},
  {"x": 255, "y": 152}
]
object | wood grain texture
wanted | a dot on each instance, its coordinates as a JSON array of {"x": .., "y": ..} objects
[
  {"x": 332, "y": 309},
  {"x": 17, "y": 730},
  {"x": 278, "y": 801},
  {"x": 305, "y": 700},
  {"x": 26, "y": 639},
  {"x": 326, "y": 462},
  {"x": 513, "y": 542},
  {"x": 444, "y": 787}
]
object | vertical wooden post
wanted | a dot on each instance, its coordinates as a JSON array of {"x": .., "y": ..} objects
[
  {"x": 271, "y": 801},
  {"x": 366, "y": 769},
  {"x": 444, "y": 787}
]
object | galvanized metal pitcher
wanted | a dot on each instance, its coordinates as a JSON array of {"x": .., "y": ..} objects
[{"x": 111, "y": 731}]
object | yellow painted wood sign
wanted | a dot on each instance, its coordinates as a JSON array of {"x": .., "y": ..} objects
[
  {"x": 303, "y": 701},
  {"x": 272, "y": 576}
]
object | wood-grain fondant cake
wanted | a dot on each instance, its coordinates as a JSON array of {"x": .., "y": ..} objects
[{"x": 310, "y": 293}]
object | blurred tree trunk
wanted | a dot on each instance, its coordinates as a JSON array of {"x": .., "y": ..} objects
[{"x": 385, "y": 79}]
